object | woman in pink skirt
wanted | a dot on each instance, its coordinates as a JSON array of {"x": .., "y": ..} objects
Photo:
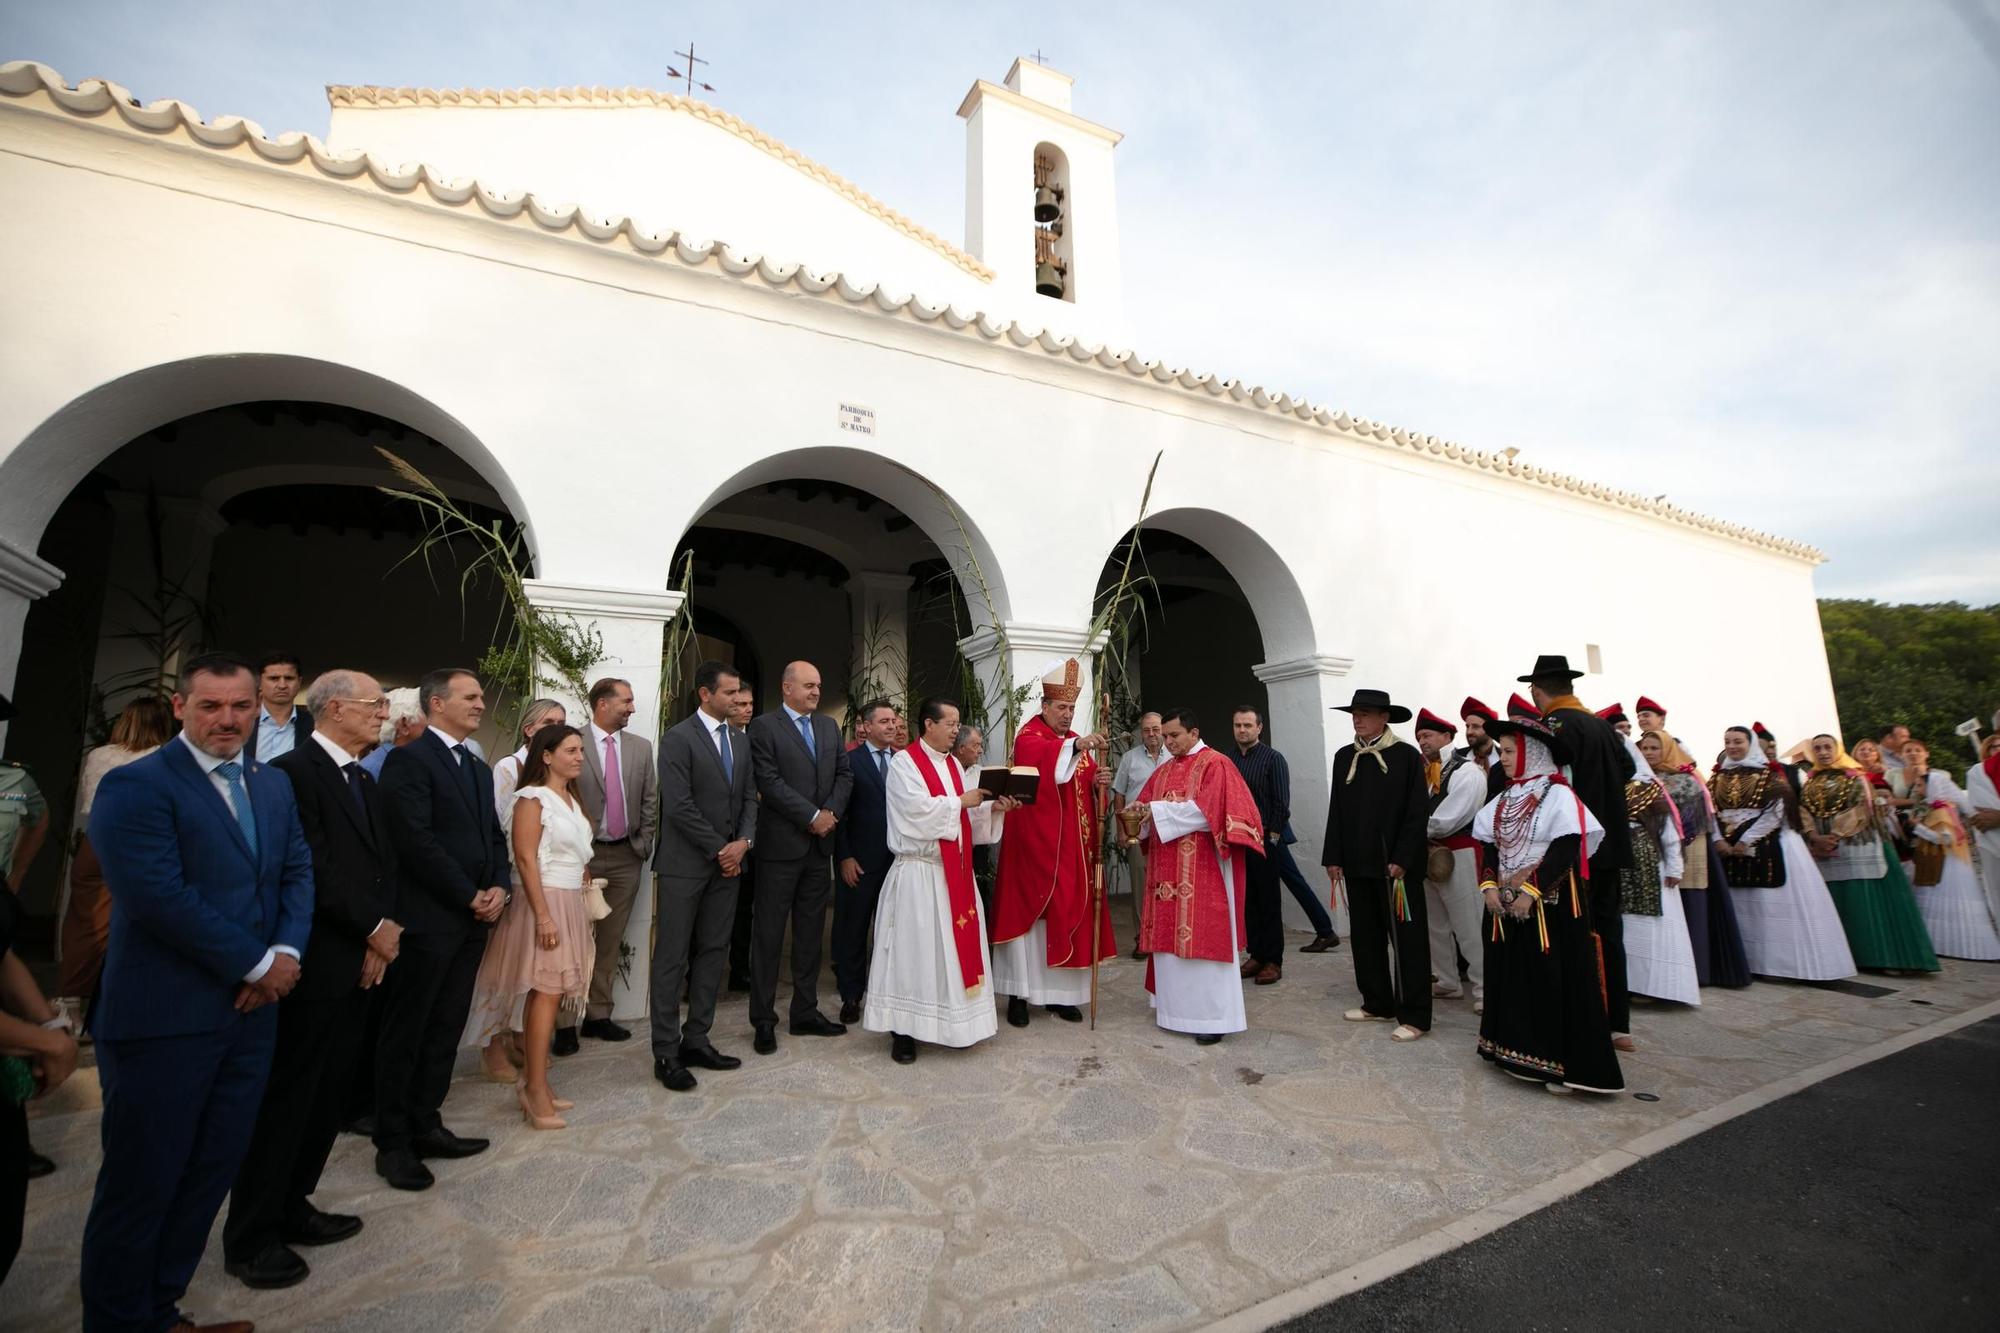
[
  {"x": 502, "y": 1059},
  {"x": 537, "y": 958}
]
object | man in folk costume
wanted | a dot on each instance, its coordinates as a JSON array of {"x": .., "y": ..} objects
[
  {"x": 1374, "y": 842},
  {"x": 1599, "y": 767},
  {"x": 1651, "y": 716},
  {"x": 1457, "y": 786},
  {"x": 1042, "y": 926},
  {"x": 1202, "y": 826},
  {"x": 927, "y": 978},
  {"x": 1479, "y": 746},
  {"x": 1614, "y": 716}
]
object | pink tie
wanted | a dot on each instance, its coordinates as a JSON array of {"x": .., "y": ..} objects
[{"x": 614, "y": 792}]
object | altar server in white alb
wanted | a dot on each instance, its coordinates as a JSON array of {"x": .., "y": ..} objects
[
  {"x": 1457, "y": 786},
  {"x": 1201, "y": 825},
  {"x": 928, "y": 977}
]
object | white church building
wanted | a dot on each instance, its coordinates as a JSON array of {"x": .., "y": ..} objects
[{"x": 630, "y": 326}]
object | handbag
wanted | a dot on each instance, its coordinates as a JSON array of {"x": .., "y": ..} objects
[
  {"x": 1438, "y": 863},
  {"x": 595, "y": 904}
]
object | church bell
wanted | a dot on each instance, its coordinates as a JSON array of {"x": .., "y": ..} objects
[
  {"x": 1048, "y": 279},
  {"x": 1048, "y": 203}
]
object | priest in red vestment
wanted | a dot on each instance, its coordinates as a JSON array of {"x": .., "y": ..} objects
[
  {"x": 1201, "y": 825},
  {"x": 1042, "y": 928}
]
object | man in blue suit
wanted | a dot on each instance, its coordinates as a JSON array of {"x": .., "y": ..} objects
[
  {"x": 861, "y": 853},
  {"x": 211, "y": 903}
]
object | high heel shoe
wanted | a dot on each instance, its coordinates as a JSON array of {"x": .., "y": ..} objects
[
  {"x": 512, "y": 1075},
  {"x": 561, "y": 1103},
  {"x": 536, "y": 1121}
]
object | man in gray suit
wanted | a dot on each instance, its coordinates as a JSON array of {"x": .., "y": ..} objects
[
  {"x": 708, "y": 810},
  {"x": 620, "y": 792},
  {"x": 802, "y": 784}
]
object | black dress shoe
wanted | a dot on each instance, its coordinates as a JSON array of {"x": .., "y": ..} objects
[
  {"x": 850, "y": 1011},
  {"x": 1068, "y": 1013},
  {"x": 766, "y": 1041},
  {"x": 707, "y": 1057},
  {"x": 364, "y": 1125},
  {"x": 902, "y": 1049},
  {"x": 603, "y": 1029},
  {"x": 39, "y": 1166},
  {"x": 441, "y": 1142},
  {"x": 275, "y": 1266},
  {"x": 738, "y": 984},
  {"x": 1137, "y": 952},
  {"x": 1207, "y": 1038},
  {"x": 1017, "y": 1011},
  {"x": 565, "y": 1042},
  {"x": 403, "y": 1170},
  {"x": 318, "y": 1228},
  {"x": 673, "y": 1075},
  {"x": 1320, "y": 944},
  {"x": 817, "y": 1024}
]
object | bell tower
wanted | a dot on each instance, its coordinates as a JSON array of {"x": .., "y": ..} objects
[{"x": 1041, "y": 204}]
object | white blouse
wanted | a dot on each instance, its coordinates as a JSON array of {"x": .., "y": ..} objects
[{"x": 564, "y": 854}]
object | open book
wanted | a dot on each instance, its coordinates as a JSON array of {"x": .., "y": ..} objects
[{"x": 1019, "y": 783}]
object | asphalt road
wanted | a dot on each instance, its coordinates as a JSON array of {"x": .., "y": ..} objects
[{"x": 1868, "y": 1201}]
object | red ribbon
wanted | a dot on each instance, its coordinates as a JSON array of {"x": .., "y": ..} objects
[{"x": 956, "y": 858}]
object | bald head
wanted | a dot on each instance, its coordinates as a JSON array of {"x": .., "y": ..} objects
[{"x": 800, "y": 687}]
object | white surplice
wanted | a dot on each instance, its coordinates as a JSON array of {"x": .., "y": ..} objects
[
  {"x": 915, "y": 985},
  {"x": 1197, "y": 994}
]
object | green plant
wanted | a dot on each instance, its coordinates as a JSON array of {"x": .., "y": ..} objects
[
  {"x": 1120, "y": 622},
  {"x": 531, "y": 649},
  {"x": 877, "y": 670},
  {"x": 165, "y": 619},
  {"x": 677, "y": 651}
]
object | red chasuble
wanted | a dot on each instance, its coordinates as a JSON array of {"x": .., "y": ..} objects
[
  {"x": 1045, "y": 857},
  {"x": 956, "y": 859},
  {"x": 1186, "y": 909}
]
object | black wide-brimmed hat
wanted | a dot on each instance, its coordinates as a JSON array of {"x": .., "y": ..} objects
[
  {"x": 1550, "y": 664},
  {"x": 1375, "y": 699},
  {"x": 1532, "y": 726}
]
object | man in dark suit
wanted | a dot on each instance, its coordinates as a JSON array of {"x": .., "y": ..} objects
[
  {"x": 803, "y": 784},
  {"x": 861, "y": 854},
  {"x": 282, "y": 725},
  {"x": 708, "y": 814},
  {"x": 739, "y": 934},
  {"x": 211, "y": 905},
  {"x": 453, "y": 882},
  {"x": 1599, "y": 768},
  {"x": 619, "y": 790},
  {"x": 320, "y": 1024}
]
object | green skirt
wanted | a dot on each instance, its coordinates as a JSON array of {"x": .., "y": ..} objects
[{"x": 1884, "y": 928}]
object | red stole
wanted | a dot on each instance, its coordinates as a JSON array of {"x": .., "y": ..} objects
[
  {"x": 1045, "y": 857},
  {"x": 956, "y": 857},
  {"x": 1183, "y": 911}
]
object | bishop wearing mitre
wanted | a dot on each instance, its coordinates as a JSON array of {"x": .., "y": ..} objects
[
  {"x": 1200, "y": 824},
  {"x": 1042, "y": 926}
]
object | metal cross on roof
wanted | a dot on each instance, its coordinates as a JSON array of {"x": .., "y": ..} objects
[
  {"x": 692, "y": 82},
  {"x": 1039, "y": 58}
]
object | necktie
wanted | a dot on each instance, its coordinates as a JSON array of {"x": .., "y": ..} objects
[
  {"x": 882, "y": 763},
  {"x": 728, "y": 759},
  {"x": 614, "y": 793},
  {"x": 239, "y": 802},
  {"x": 806, "y": 730},
  {"x": 355, "y": 777},
  {"x": 465, "y": 773}
]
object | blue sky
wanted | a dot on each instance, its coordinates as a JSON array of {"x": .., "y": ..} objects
[{"x": 1743, "y": 255}]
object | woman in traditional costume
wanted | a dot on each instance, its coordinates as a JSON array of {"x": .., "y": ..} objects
[
  {"x": 1790, "y": 926},
  {"x": 1955, "y": 910},
  {"x": 1545, "y": 1018},
  {"x": 1837, "y": 811},
  {"x": 1888, "y": 806},
  {"x": 1982, "y": 813},
  {"x": 1713, "y": 935},
  {"x": 1659, "y": 957}
]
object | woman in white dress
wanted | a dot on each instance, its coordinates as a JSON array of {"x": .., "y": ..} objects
[
  {"x": 1957, "y": 913},
  {"x": 501, "y": 1057},
  {"x": 538, "y": 958},
  {"x": 1790, "y": 925},
  {"x": 1982, "y": 815},
  {"x": 1659, "y": 957}
]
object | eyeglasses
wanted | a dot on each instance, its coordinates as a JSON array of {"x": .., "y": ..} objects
[{"x": 379, "y": 702}]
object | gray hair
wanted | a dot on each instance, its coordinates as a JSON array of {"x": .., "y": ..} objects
[
  {"x": 540, "y": 709},
  {"x": 339, "y": 683},
  {"x": 403, "y": 705}
]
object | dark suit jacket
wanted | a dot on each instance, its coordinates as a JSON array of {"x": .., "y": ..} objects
[
  {"x": 447, "y": 841},
  {"x": 700, "y": 810},
  {"x": 1377, "y": 819},
  {"x": 302, "y": 727},
  {"x": 863, "y": 833},
  {"x": 354, "y": 868},
  {"x": 192, "y": 910},
  {"x": 1599, "y": 768},
  {"x": 795, "y": 784}
]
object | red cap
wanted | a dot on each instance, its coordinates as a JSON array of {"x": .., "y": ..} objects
[
  {"x": 1613, "y": 713},
  {"x": 1759, "y": 730},
  {"x": 1646, "y": 705},
  {"x": 1519, "y": 707},
  {"x": 1473, "y": 708},
  {"x": 1429, "y": 721}
]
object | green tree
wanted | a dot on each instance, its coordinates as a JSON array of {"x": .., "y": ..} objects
[{"x": 1929, "y": 667}]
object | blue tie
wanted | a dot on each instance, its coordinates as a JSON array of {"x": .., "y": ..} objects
[
  {"x": 806, "y": 730},
  {"x": 239, "y": 802},
  {"x": 728, "y": 759},
  {"x": 882, "y": 764}
]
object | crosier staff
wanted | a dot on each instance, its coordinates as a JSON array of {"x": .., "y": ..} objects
[{"x": 1100, "y": 795}]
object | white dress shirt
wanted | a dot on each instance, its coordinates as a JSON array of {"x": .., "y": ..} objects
[{"x": 209, "y": 763}]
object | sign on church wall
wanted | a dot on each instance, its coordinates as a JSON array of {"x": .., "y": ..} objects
[{"x": 858, "y": 420}]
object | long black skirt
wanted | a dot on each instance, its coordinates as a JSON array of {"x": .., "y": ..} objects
[
  {"x": 1545, "y": 1018},
  {"x": 1718, "y": 947}
]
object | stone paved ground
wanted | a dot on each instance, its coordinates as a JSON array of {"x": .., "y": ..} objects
[{"x": 1048, "y": 1178}]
